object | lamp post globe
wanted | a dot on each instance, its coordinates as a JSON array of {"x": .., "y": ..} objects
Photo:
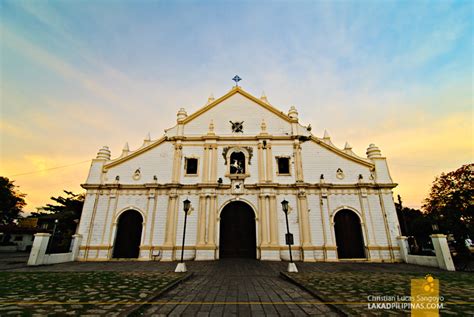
[
  {"x": 186, "y": 205},
  {"x": 284, "y": 205}
]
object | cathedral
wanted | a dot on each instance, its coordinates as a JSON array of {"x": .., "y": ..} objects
[{"x": 221, "y": 174}]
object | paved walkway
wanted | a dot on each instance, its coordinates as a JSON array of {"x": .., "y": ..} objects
[
  {"x": 13, "y": 260},
  {"x": 232, "y": 286},
  {"x": 239, "y": 287}
]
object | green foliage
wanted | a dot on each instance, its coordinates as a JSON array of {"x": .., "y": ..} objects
[
  {"x": 451, "y": 202},
  {"x": 67, "y": 210},
  {"x": 11, "y": 201}
]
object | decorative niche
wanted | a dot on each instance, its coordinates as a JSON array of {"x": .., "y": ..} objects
[{"x": 237, "y": 160}]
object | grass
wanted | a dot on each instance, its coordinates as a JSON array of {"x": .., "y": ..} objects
[
  {"x": 357, "y": 286},
  {"x": 78, "y": 293}
]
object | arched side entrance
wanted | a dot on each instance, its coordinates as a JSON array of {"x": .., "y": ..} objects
[
  {"x": 237, "y": 231},
  {"x": 129, "y": 234},
  {"x": 349, "y": 239}
]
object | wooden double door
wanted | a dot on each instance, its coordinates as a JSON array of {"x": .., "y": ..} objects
[
  {"x": 237, "y": 231},
  {"x": 349, "y": 238},
  {"x": 129, "y": 234}
]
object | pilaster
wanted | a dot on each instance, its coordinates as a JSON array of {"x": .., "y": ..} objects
[
  {"x": 205, "y": 163},
  {"x": 298, "y": 161},
  {"x": 178, "y": 154},
  {"x": 261, "y": 167},
  {"x": 213, "y": 178},
  {"x": 269, "y": 163},
  {"x": 170, "y": 237}
]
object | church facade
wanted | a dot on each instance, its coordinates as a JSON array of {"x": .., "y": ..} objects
[{"x": 236, "y": 159}]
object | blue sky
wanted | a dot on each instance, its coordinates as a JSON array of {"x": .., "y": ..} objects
[{"x": 76, "y": 75}]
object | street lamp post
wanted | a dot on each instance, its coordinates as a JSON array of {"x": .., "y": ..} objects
[
  {"x": 50, "y": 242},
  {"x": 181, "y": 267},
  {"x": 288, "y": 237}
]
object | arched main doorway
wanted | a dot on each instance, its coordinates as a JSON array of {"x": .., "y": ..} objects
[
  {"x": 129, "y": 234},
  {"x": 237, "y": 231},
  {"x": 349, "y": 239}
]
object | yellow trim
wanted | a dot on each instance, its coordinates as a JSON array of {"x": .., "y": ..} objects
[
  {"x": 341, "y": 153},
  {"x": 133, "y": 154},
  {"x": 232, "y": 92}
]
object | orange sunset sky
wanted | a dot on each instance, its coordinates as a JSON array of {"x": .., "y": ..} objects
[{"x": 78, "y": 75}]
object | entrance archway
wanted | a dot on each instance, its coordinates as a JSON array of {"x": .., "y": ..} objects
[
  {"x": 349, "y": 239},
  {"x": 129, "y": 234},
  {"x": 237, "y": 231}
]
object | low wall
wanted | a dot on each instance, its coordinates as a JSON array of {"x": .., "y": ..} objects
[
  {"x": 38, "y": 254},
  {"x": 424, "y": 260},
  {"x": 442, "y": 260},
  {"x": 58, "y": 258},
  {"x": 8, "y": 248}
]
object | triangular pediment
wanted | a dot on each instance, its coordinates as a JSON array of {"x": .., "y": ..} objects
[{"x": 234, "y": 91}]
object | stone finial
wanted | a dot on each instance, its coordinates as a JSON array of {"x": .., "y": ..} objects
[
  {"x": 373, "y": 151},
  {"x": 126, "y": 149},
  {"x": 104, "y": 153},
  {"x": 210, "y": 99},
  {"x": 147, "y": 139},
  {"x": 182, "y": 114},
  {"x": 264, "y": 97},
  {"x": 348, "y": 149},
  {"x": 293, "y": 113},
  {"x": 210, "y": 129},
  {"x": 327, "y": 138},
  {"x": 326, "y": 135}
]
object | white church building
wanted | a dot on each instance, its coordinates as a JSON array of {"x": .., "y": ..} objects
[{"x": 236, "y": 159}]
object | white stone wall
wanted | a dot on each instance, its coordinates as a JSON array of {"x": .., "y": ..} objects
[
  {"x": 237, "y": 108},
  {"x": 323, "y": 200},
  {"x": 156, "y": 161},
  {"x": 318, "y": 160}
]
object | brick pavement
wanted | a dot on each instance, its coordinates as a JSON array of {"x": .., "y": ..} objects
[
  {"x": 242, "y": 287},
  {"x": 13, "y": 260},
  {"x": 233, "y": 286}
]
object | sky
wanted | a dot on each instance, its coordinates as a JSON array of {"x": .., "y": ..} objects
[{"x": 77, "y": 75}]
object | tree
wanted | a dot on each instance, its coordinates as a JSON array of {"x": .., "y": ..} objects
[
  {"x": 11, "y": 201},
  {"x": 67, "y": 211},
  {"x": 451, "y": 202}
]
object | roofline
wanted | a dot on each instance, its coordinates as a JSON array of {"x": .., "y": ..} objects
[
  {"x": 233, "y": 91},
  {"x": 341, "y": 152},
  {"x": 135, "y": 153}
]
